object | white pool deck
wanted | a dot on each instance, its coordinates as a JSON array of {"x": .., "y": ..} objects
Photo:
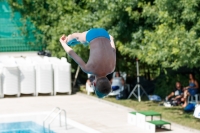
[{"x": 92, "y": 112}]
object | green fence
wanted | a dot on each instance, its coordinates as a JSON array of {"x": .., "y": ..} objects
[{"x": 13, "y": 35}]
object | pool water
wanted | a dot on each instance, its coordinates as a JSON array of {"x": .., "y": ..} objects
[{"x": 23, "y": 127}]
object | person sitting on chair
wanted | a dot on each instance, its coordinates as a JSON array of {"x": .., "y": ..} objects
[
  {"x": 90, "y": 79},
  {"x": 176, "y": 95},
  {"x": 117, "y": 81},
  {"x": 89, "y": 82},
  {"x": 190, "y": 90}
]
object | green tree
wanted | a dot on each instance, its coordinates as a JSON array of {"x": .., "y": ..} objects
[
  {"x": 173, "y": 40},
  {"x": 54, "y": 18},
  {"x": 160, "y": 33}
]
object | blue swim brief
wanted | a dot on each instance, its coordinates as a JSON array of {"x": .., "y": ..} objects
[
  {"x": 91, "y": 35},
  {"x": 95, "y": 33}
]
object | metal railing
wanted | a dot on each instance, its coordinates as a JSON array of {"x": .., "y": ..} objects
[{"x": 59, "y": 111}]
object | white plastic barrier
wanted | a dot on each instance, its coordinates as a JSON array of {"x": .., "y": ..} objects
[
  {"x": 34, "y": 60},
  {"x": 20, "y": 61},
  {"x": 4, "y": 58},
  {"x": 44, "y": 75},
  {"x": 62, "y": 76},
  {"x": 34, "y": 75},
  {"x": 54, "y": 60},
  {"x": 27, "y": 77},
  {"x": 10, "y": 81},
  {"x": 1, "y": 91},
  {"x": 44, "y": 78},
  {"x": 46, "y": 59},
  {"x": 63, "y": 59}
]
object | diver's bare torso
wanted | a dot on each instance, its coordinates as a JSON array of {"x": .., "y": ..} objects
[
  {"x": 102, "y": 57},
  {"x": 102, "y": 53}
]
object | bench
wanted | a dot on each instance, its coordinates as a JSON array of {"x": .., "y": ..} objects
[
  {"x": 142, "y": 115},
  {"x": 151, "y": 125}
]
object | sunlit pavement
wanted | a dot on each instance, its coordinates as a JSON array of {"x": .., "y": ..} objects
[{"x": 95, "y": 113}]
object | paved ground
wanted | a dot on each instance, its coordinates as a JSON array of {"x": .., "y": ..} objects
[{"x": 100, "y": 115}]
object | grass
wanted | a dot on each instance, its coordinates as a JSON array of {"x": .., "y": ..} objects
[{"x": 173, "y": 114}]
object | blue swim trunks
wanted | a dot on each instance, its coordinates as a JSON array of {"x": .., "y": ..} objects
[{"x": 91, "y": 35}]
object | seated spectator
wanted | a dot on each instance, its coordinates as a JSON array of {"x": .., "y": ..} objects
[
  {"x": 117, "y": 81},
  {"x": 90, "y": 80},
  {"x": 175, "y": 96},
  {"x": 192, "y": 89}
]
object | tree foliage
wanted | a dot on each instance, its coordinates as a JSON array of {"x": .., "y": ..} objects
[{"x": 159, "y": 32}]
